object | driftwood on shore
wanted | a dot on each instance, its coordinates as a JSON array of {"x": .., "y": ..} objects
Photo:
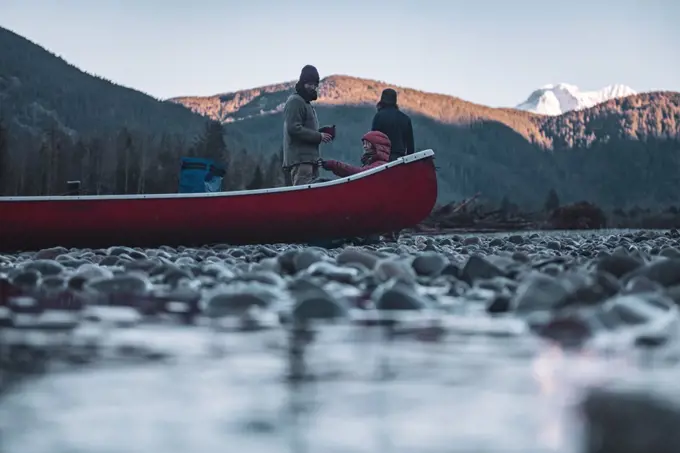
[{"x": 468, "y": 216}]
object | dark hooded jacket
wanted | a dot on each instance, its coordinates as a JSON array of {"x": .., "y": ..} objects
[{"x": 395, "y": 124}]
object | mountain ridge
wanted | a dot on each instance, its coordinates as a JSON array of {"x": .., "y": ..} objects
[
  {"x": 37, "y": 85},
  {"x": 344, "y": 90},
  {"x": 326, "y": 88}
]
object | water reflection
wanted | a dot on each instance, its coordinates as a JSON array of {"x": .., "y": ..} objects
[{"x": 467, "y": 392}]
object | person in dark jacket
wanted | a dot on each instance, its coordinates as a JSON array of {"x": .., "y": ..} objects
[
  {"x": 301, "y": 134},
  {"x": 395, "y": 124},
  {"x": 376, "y": 153}
]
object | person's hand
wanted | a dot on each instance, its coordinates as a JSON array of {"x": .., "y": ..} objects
[
  {"x": 326, "y": 138},
  {"x": 324, "y": 164}
]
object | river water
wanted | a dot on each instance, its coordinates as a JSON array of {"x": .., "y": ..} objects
[{"x": 470, "y": 393}]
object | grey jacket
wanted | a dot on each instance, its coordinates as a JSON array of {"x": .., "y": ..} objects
[{"x": 301, "y": 136}]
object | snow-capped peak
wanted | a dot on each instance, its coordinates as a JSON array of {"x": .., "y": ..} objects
[
  {"x": 560, "y": 86},
  {"x": 563, "y": 97}
]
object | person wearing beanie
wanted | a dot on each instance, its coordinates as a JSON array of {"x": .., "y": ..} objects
[
  {"x": 301, "y": 134},
  {"x": 395, "y": 124}
]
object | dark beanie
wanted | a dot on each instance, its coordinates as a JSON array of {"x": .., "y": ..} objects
[
  {"x": 388, "y": 97},
  {"x": 309, "y": 74}
]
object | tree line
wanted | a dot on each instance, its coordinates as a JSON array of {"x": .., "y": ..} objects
[{"x": 125, "y": 162}]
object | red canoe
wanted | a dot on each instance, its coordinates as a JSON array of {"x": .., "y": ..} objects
[{"x": 390, "y": 197}]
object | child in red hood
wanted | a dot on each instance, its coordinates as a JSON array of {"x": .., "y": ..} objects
[{"x": 377, "y": 147}]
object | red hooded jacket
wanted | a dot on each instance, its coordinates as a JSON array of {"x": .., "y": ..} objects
[{"x": 379, "y": 155}]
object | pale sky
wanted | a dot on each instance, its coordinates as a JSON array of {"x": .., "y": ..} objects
[{"x": 492, "y": 52}]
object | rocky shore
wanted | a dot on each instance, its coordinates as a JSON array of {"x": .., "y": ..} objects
[{"x": 423, "y": 303}]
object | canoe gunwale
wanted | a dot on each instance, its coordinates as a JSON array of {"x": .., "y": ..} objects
[{"x": 420, "y": 155}]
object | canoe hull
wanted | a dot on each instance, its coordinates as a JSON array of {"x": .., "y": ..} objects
[{"x": 395, "y": 196}]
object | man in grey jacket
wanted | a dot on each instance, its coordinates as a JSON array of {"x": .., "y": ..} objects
[{"x": 301, "y": 136}]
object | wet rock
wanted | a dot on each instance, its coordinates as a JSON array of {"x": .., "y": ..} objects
[
  {"x": 642, "y": 284},
  {"x": 397, "y": 295},
  {"x": 287, "y": 262},
  {"x": 516, "y": 239},
  {"x": 586, "y": 289},
  {"x": 480, "y": 267},
  {"x": 91, "y": 271},
  {"x": 76, "y": 282},
  {"x": 125, "y": 284},
  {"x": 117, "y": 251},
  {"x": 53, "y": 283},
  {"x": 630, "y": 421},
  {"x": 218, "y": 271},
  {"x": 133, "y": 255},
  {"x": 303, "y": 283},
  {"x": 351, "y": 256},
  {"x": 263, "y": 277},
  {"x": 618, "y": 265},
  {"x": 26, "y": 278},
  {"x": 670, "y": 252},
  {"x": 554, "y": 245},
  {"x": 674, "y": 293},
  {"x": 45, "y": 267},
  {"x": 332, "y": 272},
  {"x": 472, "y": 240},
  {"x": 521, "y": 257},
  {"x": 429, "y": 264},
  {"x": 269, "y": 265},
  {"x": 235, "y": 303},
  {"x": 140, "y": 265},
  {"x": 238, "y": 253},
  {"x": 538, "y": 292},
  {"x": 306, "y": 258},
  {"x": 316, "y": 304},
  {"x": 501, "y": 303},
  {"x": 390, "y": 268},
  {"x": 110, "y": 261},
  {"x": 50, "y": 253},
  {"x": 665, "y": 271},
  {"x": 451, "y": 270},
  {"x": 570, "y": 330}
]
